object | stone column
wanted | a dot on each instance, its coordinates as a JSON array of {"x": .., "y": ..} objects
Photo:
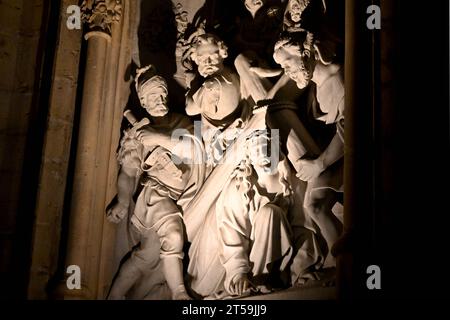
[
  {"x": 99, "y": 16},
  {"x": 359, "y": 156}
]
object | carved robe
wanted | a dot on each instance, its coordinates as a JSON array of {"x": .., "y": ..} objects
[{"x": 254, "y": 238}]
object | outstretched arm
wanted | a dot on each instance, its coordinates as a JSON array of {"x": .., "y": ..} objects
[
  {"x": 176, "y": 142},
  {"x": 126, "y": 183}
]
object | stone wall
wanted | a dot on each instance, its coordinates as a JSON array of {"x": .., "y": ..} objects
[
  {"x": 56, "y": 152},
  {"x": 20, "y": 66}
]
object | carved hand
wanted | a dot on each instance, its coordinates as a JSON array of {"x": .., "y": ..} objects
[
  {"x": 240, "y": 285},
  {"x": 309, "y": 169},
  {"x": 148, "y": 136},
  {"x": 116, "y": 213}
]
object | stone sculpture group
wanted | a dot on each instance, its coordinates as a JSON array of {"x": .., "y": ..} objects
[{"x": 256, "y": 214}]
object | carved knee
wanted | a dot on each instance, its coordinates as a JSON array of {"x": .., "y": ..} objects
[
  {"x": 171, "y": 237},
  {"x": 321, "y": 201},
  {"x": 316, "y": 207}
]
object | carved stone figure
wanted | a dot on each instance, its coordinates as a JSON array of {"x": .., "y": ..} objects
[
  {"x": 323, "y": 18},
  {"x": 206, "y": 270},
  {"x": 149, "y": 172},
  {"x": 216, "y": 97},
  {"x": 301, "y": 15},
  {"x": 254, "y": 232},
  {"x": 297, "y": 55},
  {"x": 293, "y": 14},
  {"x": 239, "y": 231},
  {"x": 258, "y": 31}
]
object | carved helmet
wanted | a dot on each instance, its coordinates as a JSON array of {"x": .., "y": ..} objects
[{"x": 146, "y": 78}]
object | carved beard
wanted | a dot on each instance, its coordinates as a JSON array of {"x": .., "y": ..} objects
[
  {"x": 303, "y": 73},
  {"x": 208, "y": 70},
  {"x": 303, "y": 77},
  {"x": 159, "y": 110}
]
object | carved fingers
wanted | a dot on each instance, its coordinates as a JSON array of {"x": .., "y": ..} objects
[
  {"x": 240, "y": 285},
  {"x": 146, "y": 136},
  {"x": 117, "y": 213},
  {"x": 309, "y": 169}
]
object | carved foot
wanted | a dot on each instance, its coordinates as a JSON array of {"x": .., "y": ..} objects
[{"x": 181, "y": 294}]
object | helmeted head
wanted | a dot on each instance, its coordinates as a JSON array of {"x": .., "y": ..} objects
[
  {"x": 152, "y": 91},
  {"x": 296, "y": 55},
  {"x": 208, "y": 53}
]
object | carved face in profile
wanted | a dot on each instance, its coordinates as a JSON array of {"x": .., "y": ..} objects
[
  {"x": 153, "y": 96},
  {"x": 298, "y": 63},
  {"x": 296, "y": 8},
  {"x": 209, "y": 53}
]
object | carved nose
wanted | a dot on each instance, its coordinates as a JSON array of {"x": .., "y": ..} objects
[{"x": 159, "y": 99}]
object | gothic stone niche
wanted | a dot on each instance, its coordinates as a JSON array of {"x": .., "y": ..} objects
[{"x": 230, "y": 149}]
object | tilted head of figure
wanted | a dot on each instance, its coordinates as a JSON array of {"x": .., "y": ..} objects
[
  {"x": 152, "y": 91},
  {"x": 295, "y": 9},
  {"x": 263, "y": 158},
  {"x": 254, "y": 5},
  {"x": 258, "y": 151},
  {"x": 296, "y": 55},
  {"x": 208, "y": 53},
  {"x": 219, "y": 96}
]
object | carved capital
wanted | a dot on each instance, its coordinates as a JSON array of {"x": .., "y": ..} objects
[{"x": 101, "y": 14}]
